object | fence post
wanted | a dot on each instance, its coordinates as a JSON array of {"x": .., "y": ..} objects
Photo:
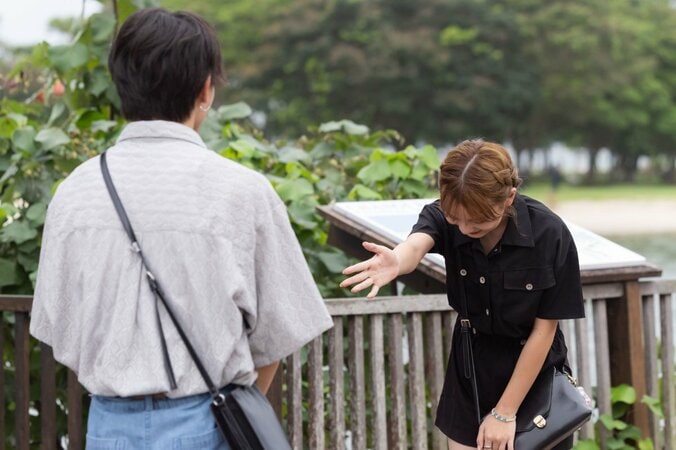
[{"x": 627, "y": 350}]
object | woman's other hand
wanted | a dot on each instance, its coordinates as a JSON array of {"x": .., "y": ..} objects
[
  {"x": 496, "y": 435},
  {"x": 375, "y": 272}
]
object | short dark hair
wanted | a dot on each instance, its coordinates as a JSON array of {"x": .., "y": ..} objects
[{"x": 160, "y": 60}]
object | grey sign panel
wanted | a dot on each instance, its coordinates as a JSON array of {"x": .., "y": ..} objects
[{"x": 394, "y": 218}]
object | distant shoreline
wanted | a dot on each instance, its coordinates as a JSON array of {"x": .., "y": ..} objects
[{"x": 619, "y": 217}]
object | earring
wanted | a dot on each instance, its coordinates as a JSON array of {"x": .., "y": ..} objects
[{"x": 204, "y": 108}]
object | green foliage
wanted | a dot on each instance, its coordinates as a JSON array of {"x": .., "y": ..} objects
[
  {"x": 336, "y": 161},
  {"x": 619, "y": 434}
]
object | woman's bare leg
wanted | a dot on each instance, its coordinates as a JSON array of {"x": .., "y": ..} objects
[{"x": 452, "y": 445}]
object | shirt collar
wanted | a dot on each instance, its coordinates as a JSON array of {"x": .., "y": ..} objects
[
  {"x": 160, "y": 129},
  {"x": 518, "y": 231}
]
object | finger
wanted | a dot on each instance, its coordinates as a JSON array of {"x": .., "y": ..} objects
[
  {"x": 374, "y": 291},
  {"x": 357, "y": 267},
  {"x": 363, "y": 285},
  {"x": 354, "y": 279},
  {"x": 510, "y": 444},
  {"x": 480, "y": 438},
  {"x": 374, "y": 248}
]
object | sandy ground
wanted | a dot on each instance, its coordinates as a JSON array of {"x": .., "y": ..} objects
[{"x": 615, "y": 217}]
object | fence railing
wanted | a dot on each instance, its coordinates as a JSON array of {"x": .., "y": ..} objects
[{"x": 374, "y": 379}]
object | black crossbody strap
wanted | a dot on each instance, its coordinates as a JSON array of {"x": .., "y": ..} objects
[
  {"x": 467, "y": 353},
  {"x": 157, "y": 291}
]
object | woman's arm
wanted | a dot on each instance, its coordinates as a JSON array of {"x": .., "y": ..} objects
[
  {"x": 527, "y": 368},
  {"x": 387, "y": 264},
  {"x": 265, "y": 376}
]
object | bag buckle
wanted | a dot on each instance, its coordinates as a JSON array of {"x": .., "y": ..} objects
[
  {"x": 466, "y": 326},
  {"x": 540, "y": 421}
]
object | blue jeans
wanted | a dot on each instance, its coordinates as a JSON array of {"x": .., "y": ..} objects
[{"x": 116, "y": 423}]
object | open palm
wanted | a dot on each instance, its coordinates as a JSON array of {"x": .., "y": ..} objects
[{"x": 375, "y": 272}]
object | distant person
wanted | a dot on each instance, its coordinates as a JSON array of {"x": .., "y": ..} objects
[
  {"x": 555, "y": 177},
  {"x": 218, "y": 238},
  {"x": 515, "y": 263}
]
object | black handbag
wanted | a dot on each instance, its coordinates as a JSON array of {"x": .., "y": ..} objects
[
  {"x": 244, "y": 416},
  {"x": 553, "y": 409}
]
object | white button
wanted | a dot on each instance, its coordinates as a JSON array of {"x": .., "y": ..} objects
[
  {"x": 488, "y": 313},
  {"x": 463, "y": 272},
  {"x": 482, "y": 280},
  {"x": 529, "y": 287}
]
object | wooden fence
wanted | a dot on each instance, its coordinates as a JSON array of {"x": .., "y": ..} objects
[{"x": 373, "y": 381}]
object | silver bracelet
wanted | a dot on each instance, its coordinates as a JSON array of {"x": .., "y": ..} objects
[{"x": 502, "y": 418}]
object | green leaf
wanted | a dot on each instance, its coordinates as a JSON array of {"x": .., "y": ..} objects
[
  {"x": 99, "y": 82},
  {"x": 23, "y": 139},
  {"x": 612, "y": 424},
  {"x": 654, "y": 404},
  {"x": 7, "y": 127},
  {"x": 587, "y": 444},
  {"x": 623, "y": 393},
  {"x": 103, "y": 125},
  {"x": 294, "y": 190},
  {"x": 429, "y": 156},
  {"x": 303, "y": 214},
  {"x": 17, "y": 232},
  {"x": 239, "y": 110},
  {"x": 361, "y": 192},
  {"x": 36, "y": 213},
  {"x": 646, "y": 444},
  {"x": 57, "y": 110},
  {"x": 52, "y": 137},
  {"x": 347, "y": 126},
  {"x": 66, "y": 57},
  {"x": 8, "y": 273},
  {"x": 400, "y": 169},
  {"x": 293, "y": 154},
  {"x": 102, "y": 26},
  {"x": 9, "y": 173},
  {"x": 375, "y": 171},
  {"x": 334, "y": 261}
]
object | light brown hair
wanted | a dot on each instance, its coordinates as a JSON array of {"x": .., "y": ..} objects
[{"x": 477, "y": 176}]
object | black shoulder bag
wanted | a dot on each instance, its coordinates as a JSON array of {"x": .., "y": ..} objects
[
  {"x": 553, "y": 409},
  {"x": 244, "y": 416}
]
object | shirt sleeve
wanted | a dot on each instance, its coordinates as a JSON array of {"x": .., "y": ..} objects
[
  {"x": 290, "y": 311},
  {"x": 564, "y": 300},
  {"x": 431, "y": 221}
]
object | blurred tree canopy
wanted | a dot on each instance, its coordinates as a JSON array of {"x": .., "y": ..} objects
[{"x": 589, "y": 73}]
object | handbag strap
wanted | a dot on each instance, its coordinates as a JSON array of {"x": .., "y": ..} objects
[
  {"x": 467, "y": 353},
  {"x": 158, "y": 293}
]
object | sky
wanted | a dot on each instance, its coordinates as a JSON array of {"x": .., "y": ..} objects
[{"x": 25, "y": 22}]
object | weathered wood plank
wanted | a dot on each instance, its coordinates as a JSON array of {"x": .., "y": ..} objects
[
  {"x": 356, "y": 374},
  {"x": 602, "y": 363},
  {"x": 583, "y": 373},
  {"x": 627, "y": 353},
  {"x": 387, "y": 305},
  {"x": 316, "y": 393},
  {"x": 416, "y": 375},
  {"x": 434, "y": 370},
  {"x": 275, "y": 393},
  {"x": 603, "y": 291},
  {"x": 294, "y": 401},
  {"x": 397, "y": 419},
  {"x": 377, "y": 362},
  {"x": 74, "y": 401},
  {"x": 21, "y": 387},
  {"x": 47, "y": 398},
  {"x": 667, "y": 353},
  {"x": 3, "y": 400},
  {"x": 651, "y": 373},
  {"x": 336, "y": 386},
  {"x": 16, "y": 303}
]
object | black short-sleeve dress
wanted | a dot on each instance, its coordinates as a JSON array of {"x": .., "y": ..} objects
[{"x": 533, "y": 271}]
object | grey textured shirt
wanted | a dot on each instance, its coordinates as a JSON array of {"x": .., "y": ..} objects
[{"x": 219, "y": 241}]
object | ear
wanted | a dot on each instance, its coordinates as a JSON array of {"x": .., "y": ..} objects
[
  {"x": 206, "y": 94},
  {"x": 510, "y": 197}
]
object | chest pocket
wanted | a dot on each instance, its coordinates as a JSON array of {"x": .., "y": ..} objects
[{"x": 525, "y": 280}]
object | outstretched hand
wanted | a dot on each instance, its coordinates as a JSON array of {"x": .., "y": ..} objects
[{"x": 375, "y": 272}]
